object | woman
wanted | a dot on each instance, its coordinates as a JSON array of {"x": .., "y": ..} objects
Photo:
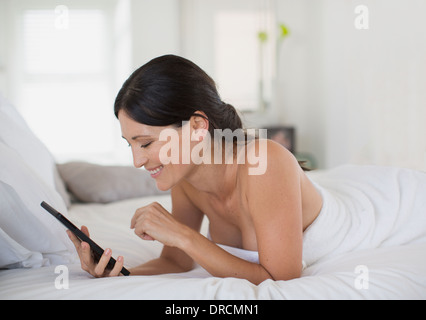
[
  {"x": 265, "y": 212},
  {"x": 268, "y": 213}
]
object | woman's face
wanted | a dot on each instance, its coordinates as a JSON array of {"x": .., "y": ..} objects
[{"x": 148, "y": 151}]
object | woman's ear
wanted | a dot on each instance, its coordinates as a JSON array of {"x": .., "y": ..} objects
[
  {"x": 199, "y": 125},
  {"x": 199, "y": 120}
]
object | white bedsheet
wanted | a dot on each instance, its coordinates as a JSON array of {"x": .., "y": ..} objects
[
  {"x": 366, "y": 207},
  {"x": 396, "y": 272},
  {"x": 393, "y": 273}
]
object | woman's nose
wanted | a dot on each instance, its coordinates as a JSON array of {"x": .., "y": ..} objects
[{"x": 139, "y": 159}]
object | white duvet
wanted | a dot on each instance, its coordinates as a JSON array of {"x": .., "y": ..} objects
[{"x": 390, "y": 272}]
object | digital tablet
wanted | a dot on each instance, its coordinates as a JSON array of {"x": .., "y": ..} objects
[{"x": 96, "y": 250}]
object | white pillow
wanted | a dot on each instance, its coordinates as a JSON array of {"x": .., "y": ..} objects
[
  {"x": 13, "y": 220},
  {"x": 8, "y": 109},
  {"x": 30, "y": 236},
  {"x": 15, "y": 133}
]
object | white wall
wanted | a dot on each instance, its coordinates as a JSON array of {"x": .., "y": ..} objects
[
  {"x": 353, "y": 95},
  {"x": 155, "y": 29},
  {"x": 357, "y": 95},
  {"x": 299, "y": 93},
  {"x": 3, "y": 48}
]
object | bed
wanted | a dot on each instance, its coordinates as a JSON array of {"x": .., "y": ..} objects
[
  {"x": 386, "y": 273},
  {"x": 38, "y": 262}
]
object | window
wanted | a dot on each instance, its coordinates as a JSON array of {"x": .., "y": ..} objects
[
  {"x": 223, "y": 38},
  {"x": 243, "y": 62},
  {"x": 65, "y": 82},
  {"x": 64, "y": 41}
]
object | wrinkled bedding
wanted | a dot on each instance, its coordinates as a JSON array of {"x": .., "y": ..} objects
[{"x": 393, "y": 271}]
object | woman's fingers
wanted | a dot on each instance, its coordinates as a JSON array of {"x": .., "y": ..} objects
[
  {"x": 117, "y": 267},
  {"x": 85, "y": 230},
  {"x": 74, "y": 240},
  {"x": 86, "y": 258},
  {"x": 103, "y": 262},
  {"x": 144, "y": 236}
]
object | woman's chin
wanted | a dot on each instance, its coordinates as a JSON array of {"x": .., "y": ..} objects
[{"x": 162, "y": 187}]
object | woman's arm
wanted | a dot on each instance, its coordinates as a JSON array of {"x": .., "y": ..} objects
[
  {"x": 220, "y": 263},
  {"x": 157, "y": 266},
  {"x": 275, "y": 204},
  {"x": 274, "y": 200},
  {"x": 183, "y": 245},
  {"x": 185, "y": 215}
]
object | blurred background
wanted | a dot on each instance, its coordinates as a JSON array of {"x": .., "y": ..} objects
[{"x": 344, "y": 77}]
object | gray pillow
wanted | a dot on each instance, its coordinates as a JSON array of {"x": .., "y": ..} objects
[
  {"x": 89, "y": 182},
  {"x": 61, "y": 188}
]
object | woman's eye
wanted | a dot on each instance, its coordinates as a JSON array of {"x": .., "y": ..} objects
[{"x": 142, "y": 146}]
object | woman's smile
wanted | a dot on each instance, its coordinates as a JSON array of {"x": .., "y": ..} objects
[{"x": 155, "y": 172}]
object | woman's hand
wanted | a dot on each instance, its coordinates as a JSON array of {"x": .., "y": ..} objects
[
  {"x": 88, "y": 264},
  {"x": 153, "y": 222}
]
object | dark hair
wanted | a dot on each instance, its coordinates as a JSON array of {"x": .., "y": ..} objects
[{"x": 170, "y": 89}]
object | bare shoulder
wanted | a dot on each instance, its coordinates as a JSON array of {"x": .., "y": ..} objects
[
  {"x": 277, "y": 183},
  {"x": 268, "y": 161},
  {"x": 283, "y": 182}
]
